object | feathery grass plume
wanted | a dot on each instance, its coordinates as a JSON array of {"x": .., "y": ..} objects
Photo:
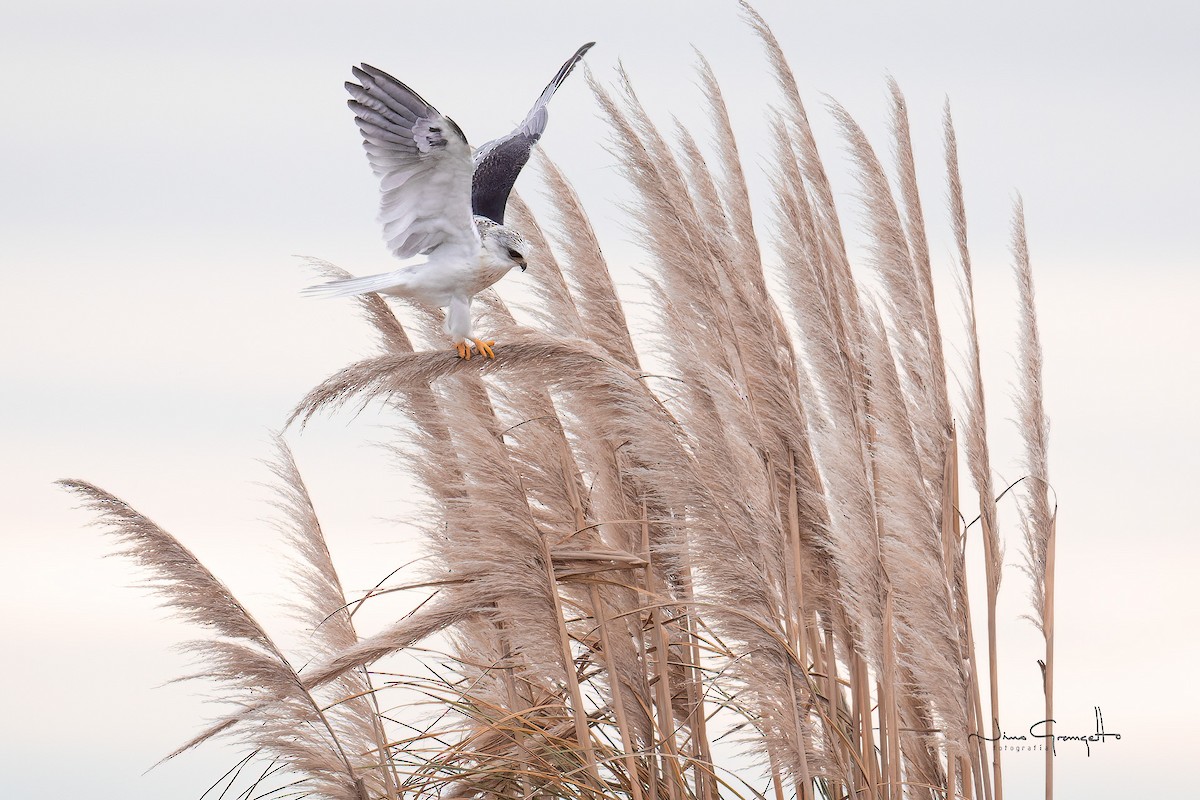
[
  {"x": 1039, "y": 517},
  {"x": 556, "y": 310},
  {"x": 704, "y": 192},
  {"x": 585, "y": 267},
  {"x": 674, "y": 233},
  {"x": 918, "y": 246},
  {"x": 740, "y": 575},
  {"x": 767, "y": 353},
  {"x": 279, "y": 717},
  {"x": 927, "y": 634},
  {"x": 829, "y": 300},
  {"x": 975, "y": 441},
  {"x": 838, "y": 428},
  {"x": 911, "y": 318},
  {"x": 352, "y": 708},
  {"x": 806, "y": 143},
  {"x": 1033, "y": 425},
  {"x": 825, "y": 294},
  {"x": 733, "y": 191}
]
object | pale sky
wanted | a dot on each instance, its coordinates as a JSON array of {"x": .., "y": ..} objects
[{"x": 160, "y": 164}]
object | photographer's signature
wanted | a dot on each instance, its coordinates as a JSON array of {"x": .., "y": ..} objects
[{"x": 1038, "y": 730}]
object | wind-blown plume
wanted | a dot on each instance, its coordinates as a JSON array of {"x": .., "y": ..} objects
[
  {"x": 279, "y": 716},
  {"x": 586, "y": 269},
  {"x": 975, "y": 439},
  {"x": 1033, "y": 425},
  {"x": 1040, "y": 517}
]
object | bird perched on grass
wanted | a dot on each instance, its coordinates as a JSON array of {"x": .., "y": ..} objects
[{"x": 440, "y": 199}]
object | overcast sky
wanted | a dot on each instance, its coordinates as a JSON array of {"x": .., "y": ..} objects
[{"x": 160, "y": 165}]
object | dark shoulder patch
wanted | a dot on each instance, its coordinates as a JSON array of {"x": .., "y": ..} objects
[{"x": 495, "y": 175}]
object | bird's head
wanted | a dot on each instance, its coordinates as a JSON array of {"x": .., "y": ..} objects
[{"x": 504, "y": 244}]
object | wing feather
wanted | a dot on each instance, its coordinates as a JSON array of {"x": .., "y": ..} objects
[
  {"x": 423, "y": 163},
  {"x": 499, "y": 162}
]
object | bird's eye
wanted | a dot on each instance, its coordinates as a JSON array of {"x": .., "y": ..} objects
[{"x": 513, "y": 254}]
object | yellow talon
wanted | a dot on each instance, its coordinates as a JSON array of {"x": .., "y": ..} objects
[
  {"x": 464, "y": 350},
  {"x": 485, "y": 347}
]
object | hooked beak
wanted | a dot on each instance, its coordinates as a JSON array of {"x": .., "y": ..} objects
[{"x": 523, "y": 263}]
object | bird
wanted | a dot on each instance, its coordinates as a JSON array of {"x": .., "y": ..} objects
[{"x": 441, "y": 199}]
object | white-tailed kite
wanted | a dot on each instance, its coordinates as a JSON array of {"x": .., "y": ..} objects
[{"x": 440, "y": 199}]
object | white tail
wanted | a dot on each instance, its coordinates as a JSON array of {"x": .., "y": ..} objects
[{"x": 352, "y": 286}]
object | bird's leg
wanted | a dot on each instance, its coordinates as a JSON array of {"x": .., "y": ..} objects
[{"x": 458, "y": 326}]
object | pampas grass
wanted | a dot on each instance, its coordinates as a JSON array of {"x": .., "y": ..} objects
[{"x": 741, "y": 576}]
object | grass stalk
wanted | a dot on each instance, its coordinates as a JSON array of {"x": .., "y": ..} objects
[
  {"x": 664, "y": 713},
  {"x": 797, "y": 611},
  {"x": 1048, "y": 630},
  {"x": 577, "y": 710},
  {"x": 983, "y": 775},
  {"x": 697, "y": 718},
  {"x": 993, "y": 596},
  {"x": 614, "y": 678}
]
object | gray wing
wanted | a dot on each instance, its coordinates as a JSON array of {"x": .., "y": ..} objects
[
  {"x": 498, "y": 162},
  {"x": 423, "y": 163}
]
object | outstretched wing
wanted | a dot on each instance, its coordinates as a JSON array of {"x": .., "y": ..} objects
[
  {"x": 423, "y": 163},
  {"x": 498, "y": 162}
]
